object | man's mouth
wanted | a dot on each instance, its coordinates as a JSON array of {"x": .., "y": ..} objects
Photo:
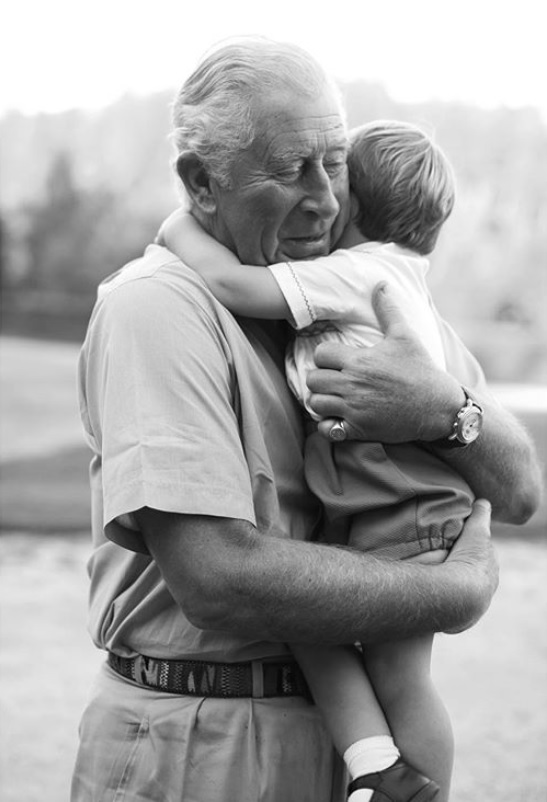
[
  {"x": 302, "y": 247},
  {"x": 316, "y": 237}
]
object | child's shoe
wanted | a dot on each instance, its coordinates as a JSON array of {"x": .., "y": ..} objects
[{"x": 398, "y": 783}]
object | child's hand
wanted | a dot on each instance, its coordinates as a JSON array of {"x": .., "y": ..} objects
[
  {"x": 159, "y": 239},
  {"x": 170, "y": 228}
]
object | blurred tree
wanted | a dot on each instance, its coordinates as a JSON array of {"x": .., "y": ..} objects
[
  {"x": 52, "y": 233},
  {"x": 77, "y": 236},
  {"x": 69, "y": 242}
]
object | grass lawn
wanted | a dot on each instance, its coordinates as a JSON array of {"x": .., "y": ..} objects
[
  {"x": 44, "y": 461},
  {"x": 49, "y": 493},
  {"x": 493, "y": 678}
]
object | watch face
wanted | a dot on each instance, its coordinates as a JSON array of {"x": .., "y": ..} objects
[{"x": 471, "y": 426}]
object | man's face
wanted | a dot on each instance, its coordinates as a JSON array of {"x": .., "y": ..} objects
[{"x": 290, "y": 186}]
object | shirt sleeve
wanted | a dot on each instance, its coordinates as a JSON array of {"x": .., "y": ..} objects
[
  {"x": 339, "y": 287},
  {"x": 159, "y": 391},
  {"x": 330, "y": 287}
]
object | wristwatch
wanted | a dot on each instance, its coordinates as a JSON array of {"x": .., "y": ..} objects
[{"x": 466, "y": 427}]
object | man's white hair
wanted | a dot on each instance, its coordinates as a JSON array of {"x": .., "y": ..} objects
[{"x": 213, "y": 111}]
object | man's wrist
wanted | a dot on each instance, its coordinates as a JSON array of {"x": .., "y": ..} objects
[
  {"x": 447, "y": 400},
  {"x": 466, "y": 425}
]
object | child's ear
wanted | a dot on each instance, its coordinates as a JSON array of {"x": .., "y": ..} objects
[{"x": 197, "y": 182}]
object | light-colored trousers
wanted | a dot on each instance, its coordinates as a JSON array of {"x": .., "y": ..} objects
[{"x": 141, "y": 745}]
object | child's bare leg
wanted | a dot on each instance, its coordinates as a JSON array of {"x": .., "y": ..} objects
[
  {"x": 343, "y": 693},
  {"x": 400, "y": 674}
]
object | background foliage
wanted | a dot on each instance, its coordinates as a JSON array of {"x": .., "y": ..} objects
[{"x": 84, "y": 192}]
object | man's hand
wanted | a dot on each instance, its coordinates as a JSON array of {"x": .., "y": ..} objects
[
  {"x": 392, "y": 392},
  {"x": 473, "y": 556}
]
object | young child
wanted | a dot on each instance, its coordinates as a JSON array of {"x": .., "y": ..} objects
[{"x": 397, "y": 501}]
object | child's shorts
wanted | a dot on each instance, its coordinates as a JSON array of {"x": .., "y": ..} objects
[{"x": 396, "y": 500}]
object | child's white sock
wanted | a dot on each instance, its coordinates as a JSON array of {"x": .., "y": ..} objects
[{"x": 367, "y": 756}]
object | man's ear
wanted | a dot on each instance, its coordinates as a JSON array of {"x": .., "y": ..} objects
[{"x": 197, "y": 182}]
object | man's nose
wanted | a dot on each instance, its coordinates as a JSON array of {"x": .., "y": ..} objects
[{"x": 319, "y": 194}]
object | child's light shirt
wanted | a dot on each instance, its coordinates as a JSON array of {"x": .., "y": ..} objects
[{"x": 330, "y": 298}]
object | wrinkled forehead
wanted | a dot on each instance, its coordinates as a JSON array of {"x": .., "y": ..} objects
[{"x": 290, "y": 124}]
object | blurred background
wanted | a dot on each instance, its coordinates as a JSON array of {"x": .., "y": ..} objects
[{"x": 85, "y": 181}]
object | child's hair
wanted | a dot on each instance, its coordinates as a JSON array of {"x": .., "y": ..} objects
[{"x": 403, "y": 182}]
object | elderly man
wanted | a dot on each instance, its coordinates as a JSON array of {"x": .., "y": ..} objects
[{"x": 204, "y": 564}]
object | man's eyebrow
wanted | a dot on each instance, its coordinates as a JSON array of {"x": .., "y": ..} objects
[
  {"x": 341, "y": 147},
  {"x": 286, "y": 155},
  {"x": 289, "y": 153}
]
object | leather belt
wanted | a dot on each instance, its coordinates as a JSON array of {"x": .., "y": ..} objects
[{"x": 258, "y": 678}]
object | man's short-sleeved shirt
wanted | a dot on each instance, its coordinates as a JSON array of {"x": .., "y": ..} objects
[{"x": 187, "y": 411}]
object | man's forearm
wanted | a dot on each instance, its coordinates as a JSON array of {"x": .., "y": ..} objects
[
  {"x": 357, "y": 597},
  {"x": 501, "y": 465},
  {"x": 226, "y": 576}
]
